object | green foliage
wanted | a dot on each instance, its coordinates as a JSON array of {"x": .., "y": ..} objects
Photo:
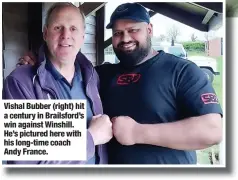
[{"x": 194, "y": 46}]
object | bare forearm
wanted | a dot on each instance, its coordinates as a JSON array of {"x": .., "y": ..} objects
[{"x": 188, "y": 134}]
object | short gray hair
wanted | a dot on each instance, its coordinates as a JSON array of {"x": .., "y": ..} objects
[{"x": 59, "y": 6}]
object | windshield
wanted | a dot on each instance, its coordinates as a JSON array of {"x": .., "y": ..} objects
[{"x": 177, "y": 51}]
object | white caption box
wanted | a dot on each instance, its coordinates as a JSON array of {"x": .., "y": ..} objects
[{"x": 43, "y": 130}]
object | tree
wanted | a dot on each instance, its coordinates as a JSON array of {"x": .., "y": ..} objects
[
  {"x": 172, "y": 33},
  {"x": 206, "y": 36},
  {"x": 193, "y": 37},
  {"x": 209, "y": 35},
  {"x": 162, "y": 37}
]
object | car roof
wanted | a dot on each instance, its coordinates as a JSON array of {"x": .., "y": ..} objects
[{"x": 167, "y": 45}]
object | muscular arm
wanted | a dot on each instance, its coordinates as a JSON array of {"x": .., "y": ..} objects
[
  {"x": 187, "y": 134},
  {"x": 204, "y": 126}
]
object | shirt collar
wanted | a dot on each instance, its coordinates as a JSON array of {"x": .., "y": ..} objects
[{"x": 56, "y": 74}]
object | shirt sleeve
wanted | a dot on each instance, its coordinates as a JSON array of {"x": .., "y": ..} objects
[{"x": 195, "y": 93}]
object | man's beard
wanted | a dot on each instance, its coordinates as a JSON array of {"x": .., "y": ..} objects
[{"x": 134, "y": 57}]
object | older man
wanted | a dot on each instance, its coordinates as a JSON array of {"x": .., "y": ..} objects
[{"x": 64, "y": 73}]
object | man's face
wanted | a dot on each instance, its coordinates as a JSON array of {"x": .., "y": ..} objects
[
  {"x": 131, "y": 41},
  {"x": 65, "y": 34}
]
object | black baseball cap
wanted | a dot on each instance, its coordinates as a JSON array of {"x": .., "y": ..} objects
[{"x": 133, "y": 11}]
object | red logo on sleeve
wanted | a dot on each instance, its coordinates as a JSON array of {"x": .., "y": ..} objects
[{"x": 209, "y": 98}]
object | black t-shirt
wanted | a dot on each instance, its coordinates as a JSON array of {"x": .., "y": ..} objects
[{"x": 163, "y": 89}]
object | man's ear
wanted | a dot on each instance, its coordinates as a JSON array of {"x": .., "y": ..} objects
[
  {"x": 150, "y": 29},
  {"x": 45, "y": 33}
]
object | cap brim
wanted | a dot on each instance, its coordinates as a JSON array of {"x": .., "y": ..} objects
[{"x": 109, "y": 26}]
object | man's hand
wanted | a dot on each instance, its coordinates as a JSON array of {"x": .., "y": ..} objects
[
  {"x": 28, "y": 58},
  {"x": 100, "y": 129},
  {"x": 125, "y": 130}
]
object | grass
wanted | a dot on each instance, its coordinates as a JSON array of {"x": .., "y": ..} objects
[
  {"x": 217, "y": 83},
  {"x": 203, "y": 155}
]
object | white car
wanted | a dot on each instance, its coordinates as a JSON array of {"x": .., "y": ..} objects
[
  {"x": 176, "y": 49},
  {"x": 207, "y": 64}
]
